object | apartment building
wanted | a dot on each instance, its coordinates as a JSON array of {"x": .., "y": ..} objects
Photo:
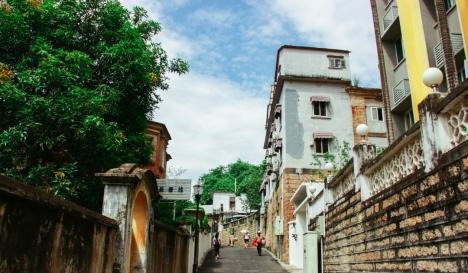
[
  {"x": 411, "y": 37},
  {"x": 310, "y": 114}
]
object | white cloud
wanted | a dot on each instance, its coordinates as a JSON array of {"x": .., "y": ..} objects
[
  {"x": 212, "y": 122},
  {"x": 213, "y": 16},
  {"x": 342, "y": 24}
]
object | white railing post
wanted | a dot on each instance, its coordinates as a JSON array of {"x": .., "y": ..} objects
[
  {"x": 363, "y": 153},
  {"x": 435, "y": 137}
]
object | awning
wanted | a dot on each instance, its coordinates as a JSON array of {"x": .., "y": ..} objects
[
  {"x": 277, "y": 110},
  {"x": 319, "y": 98},
  {"x": 322, "y": 134}
]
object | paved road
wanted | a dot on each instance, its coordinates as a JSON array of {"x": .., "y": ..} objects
[{"x": 240, "y": 260}]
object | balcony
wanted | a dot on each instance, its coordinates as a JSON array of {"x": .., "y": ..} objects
[
  {"x": 401, "y": 91},
  {"x": 457, "y": 46},
  {"x": 390, "y": 17}
]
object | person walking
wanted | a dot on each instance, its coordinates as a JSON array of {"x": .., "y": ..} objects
[
  {"x": 216, "y": 245},
  {"x": 259, "y": 242},
  {"x": 246, "y": 239}
]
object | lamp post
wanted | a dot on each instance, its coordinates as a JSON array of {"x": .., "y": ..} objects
[
  {"x": 197, "y": 191},
  {"x": 433, "y": 77}
]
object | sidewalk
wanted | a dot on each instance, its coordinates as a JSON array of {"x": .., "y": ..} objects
[{"x": 287, "y": 267}]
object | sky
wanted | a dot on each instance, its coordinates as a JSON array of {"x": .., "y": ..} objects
[{"x": 216, "y": 113}]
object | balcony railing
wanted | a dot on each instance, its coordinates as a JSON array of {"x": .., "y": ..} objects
[
  {"x": 457, "y": 45},
  {"x": 390, "y": 16},
  {"x": 400, "y": 92}
]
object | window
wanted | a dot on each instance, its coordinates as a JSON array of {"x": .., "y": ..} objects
[
  {"x": 449, "y": 4},
  {"x": 409, "y": 119},
  {"x": 461, "y": 74},
  {"x": 321, "y": 145},
  {"x": 399, "y": 51},
  {"x": 170, "y": 189},
  {"x": 336, "y": 62},
  {"x": 320, "y": 108},
  {"x": 376, "y": 113},
  {"x": 161, "y": 189},
  {"x": 180, "y": 189},
  {"x": 232, "y": 203}
]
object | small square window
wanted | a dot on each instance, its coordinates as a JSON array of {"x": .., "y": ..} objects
[
  {"x": 376, "y": 113},
  {"x": 336, "y": 62},
  {"x": 171, "y": 189},
  {"x": 320, "y": 108},
  {"x": 161, "y": 189},
  {"x": 322, "y": 145},
  {"x": 180, "y": 189}
]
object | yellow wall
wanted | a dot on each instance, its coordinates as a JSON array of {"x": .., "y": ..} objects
[
  {"x": 462, "y": 7},
  {"x": 415, "y": 49}
]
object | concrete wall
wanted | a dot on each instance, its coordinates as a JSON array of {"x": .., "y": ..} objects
[
  {"x": 299, "y": 125},
  {"x": 417, "y": 225},
  {"x": 311, "y": 63},
  {"x": 204, "y": 246},
  {"x": 42, "y": 233}
]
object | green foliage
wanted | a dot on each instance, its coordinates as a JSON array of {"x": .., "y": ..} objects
[
  {"x": 78, "y": 80},
  {"x": 338, "y": 159},
  {"x": 221, "y": 179}
]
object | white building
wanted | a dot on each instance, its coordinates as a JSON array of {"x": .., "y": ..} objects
[
  {"x": 227, "y": 204},
  {"x": 309, "y": 115}
]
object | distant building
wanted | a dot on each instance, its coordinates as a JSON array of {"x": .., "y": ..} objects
[
  {"x": 160, "y": 139},
  {"x": 313, "y": 111},
  {"x": 226, "y": 206},
  {"x": 411, "y": 37}
]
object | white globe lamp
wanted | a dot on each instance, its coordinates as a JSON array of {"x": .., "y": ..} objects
[
  {"x": 362, "y": 130},
  {"x": 432, "y": 78}
]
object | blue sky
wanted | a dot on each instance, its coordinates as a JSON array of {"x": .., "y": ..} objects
[{"x": 216, "y": 113}]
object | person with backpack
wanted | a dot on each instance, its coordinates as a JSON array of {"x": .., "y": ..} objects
[{"x": 216, "y": 245}]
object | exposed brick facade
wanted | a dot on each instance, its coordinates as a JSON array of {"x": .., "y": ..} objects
[
  {"x": 444, "y": 32},
  {"x": 360, "y": 98},
  {"x": 280, "y": 205},
  {"x": 418, "y": 225}
]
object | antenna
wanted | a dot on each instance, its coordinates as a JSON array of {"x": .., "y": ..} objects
[{"x": 235, "y": 185}]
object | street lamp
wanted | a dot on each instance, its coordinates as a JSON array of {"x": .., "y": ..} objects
[
  {"x": 362, "y": 130},
  {"x": 433, "y": 77},
  {"x": 197, "y": 192}
]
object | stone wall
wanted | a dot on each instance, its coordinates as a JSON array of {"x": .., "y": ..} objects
[
  {"x": 248, "y": 223},
  {"x": 42, "y": 233},
  {"x": 419, "y": 224}
]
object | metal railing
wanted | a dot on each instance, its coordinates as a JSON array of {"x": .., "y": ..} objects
[
  {"x": 400, "y": 92},
  {"x": 457, "y": 45},
  {"x": 390, "y": 16}
]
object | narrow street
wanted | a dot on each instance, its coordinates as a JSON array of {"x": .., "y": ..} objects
[{"x": 240, "y": 260}]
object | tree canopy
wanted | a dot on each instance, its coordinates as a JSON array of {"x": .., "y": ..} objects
[
  {"x": 249, "y": 177},
  {"x": 78, "y": 81}
]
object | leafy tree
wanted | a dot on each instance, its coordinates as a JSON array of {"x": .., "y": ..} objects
[
  {"x": 222, "y": 179},
  {"x": 78, "y": 81}
]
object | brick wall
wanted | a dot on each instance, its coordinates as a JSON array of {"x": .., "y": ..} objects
[
  {"x": 280, "y": 205},
  {"x": 418, "y": 225}
]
